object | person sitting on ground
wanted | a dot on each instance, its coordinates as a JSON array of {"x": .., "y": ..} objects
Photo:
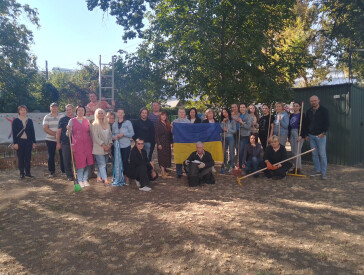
[
  {"x": 204, "y": 161},
  {"x": 251, "y": 157},
  {"x": 140, "y": 168},
  {"x": 275, "y": 153}
]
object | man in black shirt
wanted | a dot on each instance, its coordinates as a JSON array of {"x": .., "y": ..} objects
[
  {"x": 204, "y": 162},
  {"x": 63, "y": 141},
  {"x": 318, "y": 124}
]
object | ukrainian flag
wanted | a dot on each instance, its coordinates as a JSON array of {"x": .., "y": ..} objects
[{"x": 185, "y": 136}]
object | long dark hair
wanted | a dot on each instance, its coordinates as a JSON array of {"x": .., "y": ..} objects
[
  {"x": 189, "y": 112},
  {"x": 229, "y": 114}
]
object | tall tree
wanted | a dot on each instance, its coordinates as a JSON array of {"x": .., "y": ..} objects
[
  {"x": 227, "y": 50},
  {"x": 17, "y": 65}
]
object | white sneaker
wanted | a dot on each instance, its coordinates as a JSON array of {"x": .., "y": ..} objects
[
  {"x": 230, "y": 170},
  {"x": 213, "y": 169},
  {"x": 137, "y": 183},
  {"x": 145, "y": 188},
  {"x": 86, "y": 183},
  {"x": 81, "y": 184}
]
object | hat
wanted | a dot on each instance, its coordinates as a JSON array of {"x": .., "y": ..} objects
[{"x": 54, "y": 104}]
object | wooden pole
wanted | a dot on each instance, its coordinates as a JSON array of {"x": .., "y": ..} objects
[
  {"x": 256, "y": 172},
  {"x": 299, "y": 134}
]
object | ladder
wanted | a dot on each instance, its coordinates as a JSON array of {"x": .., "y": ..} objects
[{"x": 104, "y": 89}]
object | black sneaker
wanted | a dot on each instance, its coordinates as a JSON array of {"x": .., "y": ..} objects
[
  {"x": 52, "y": 175},
  {"x": 179, "y": 176},
  {"x": 29, "y": 176},
  {"x": 70, "y": 179},
  {"x": 22, "y": 176}
]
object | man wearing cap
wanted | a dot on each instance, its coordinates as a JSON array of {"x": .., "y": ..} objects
[{"x": 50, "y": 126}]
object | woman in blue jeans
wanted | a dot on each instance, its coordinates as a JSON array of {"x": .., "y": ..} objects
[
  {"x": 102, "y": 142},
  {"x": 251, "y": 157},
  {"x": 228, "y": 125}
]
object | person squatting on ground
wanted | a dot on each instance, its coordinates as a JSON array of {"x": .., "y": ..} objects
[
  {"x": 24, "y": 140},
  {"x": 265, "y": 130},
  {"x": 181, "y": 119},
  {"x": 79, "y": 128},
  {"x": 228, "y": 126},
  {"x": 318, "y": 125},
  {"x": 144, "y": 129},
  {"x": 251, "y": 157},
  {"x": 101, "y": 144},
  {"x": 273, "y": 154},
  {"x": 198, "y": 166},
  {"x": 141, "y": 169},
  {"x": 122, "y": 130},
  {"x": 63, "y": 142},
  {"x": 163, "y": 139},
  {"x": 50, "y": 126},
  {"x": 281, "y": 123},
  {"x": 295, "y": 138},
  {"x": 245, "y": 124}
]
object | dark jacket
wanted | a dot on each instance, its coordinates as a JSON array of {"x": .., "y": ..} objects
[
  {"x": 144, "y": 129},
  {"x": 197, "y": 120},
  {"x": 275, "y": 157},
  {"x": 317, "y": 122},
  {"x": 17, "y": 127},
  {"x": 207, "y": 121},
  {"x": 250, "y": 152},
  {"x": 263, "y": 124},
  {"x": 137, "y": 159},
  {"x": 304, "y": 130},
  {"x": 207, "y": 158}
]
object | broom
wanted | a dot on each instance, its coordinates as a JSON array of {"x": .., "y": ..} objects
[{"x": 76, "y": 185}]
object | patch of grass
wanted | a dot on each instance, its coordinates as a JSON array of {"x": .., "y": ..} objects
[{"x": 321, "y": 256}]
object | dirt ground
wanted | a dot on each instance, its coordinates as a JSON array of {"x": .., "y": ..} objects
[{"x": 294, "y": 226}]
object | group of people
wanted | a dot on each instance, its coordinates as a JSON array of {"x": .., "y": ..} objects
[{"x": 93, "y": 135}]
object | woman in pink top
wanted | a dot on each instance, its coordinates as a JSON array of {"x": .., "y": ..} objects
[{"x": 81, "y": 144}]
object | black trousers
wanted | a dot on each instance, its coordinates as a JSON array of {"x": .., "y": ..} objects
[
  {"x": 263, "y": 139},
  {"x": 280, "y": 172},
  {"x": 67, "y": 160},
  {"x": 125, "y": 153},
  {"x": 52, "y": 146},
  {"x": 143, "y": 174},
  {"x": 24, "y": 156}
]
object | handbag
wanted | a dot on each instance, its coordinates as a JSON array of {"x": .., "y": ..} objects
[{"x": 11, "y": 145}]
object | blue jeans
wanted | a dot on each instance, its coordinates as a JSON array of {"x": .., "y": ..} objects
[
  {"x": 82, "y": 174},
  {"x": 243, "y": 141},
  {"x": 229, "y": 143},
  {"x": 147, "y": 148},
  {"x": 252, "y": 165},
  {"x": 101, "y": 161},
  {"x": 319, "y": 155}
]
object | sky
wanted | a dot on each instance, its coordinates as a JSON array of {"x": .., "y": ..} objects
[{"x": 70, "y": 33}]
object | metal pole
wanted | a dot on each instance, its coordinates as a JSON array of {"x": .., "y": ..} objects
[{"x": 112, "y": 77}]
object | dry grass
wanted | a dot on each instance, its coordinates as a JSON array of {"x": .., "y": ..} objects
[{"x": 297, "y": 226}]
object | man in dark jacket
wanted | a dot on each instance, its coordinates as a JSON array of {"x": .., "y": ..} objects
[
  {"x": 140, "y": 168},
  {"x": 144, "y": 129},
  {"x": 318, "y": 124},
  {"x": 204, "y": 162}
]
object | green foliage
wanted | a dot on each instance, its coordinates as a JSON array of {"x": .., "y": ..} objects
[
  {"x": 17, "y": 65},
  {"x": 343, "y": 24}
]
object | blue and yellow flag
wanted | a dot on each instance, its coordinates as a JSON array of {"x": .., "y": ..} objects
[{"x": 185, "y": 136}]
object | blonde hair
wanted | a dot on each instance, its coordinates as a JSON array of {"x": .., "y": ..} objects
[
  {"x": 274, "y": 138},
  {"x": 96, "y": 120},
  {"x": 210, "y": 110}
]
